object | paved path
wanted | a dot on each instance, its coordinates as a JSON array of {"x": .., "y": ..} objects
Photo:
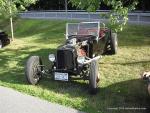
[{"x": 15, "y": 102}]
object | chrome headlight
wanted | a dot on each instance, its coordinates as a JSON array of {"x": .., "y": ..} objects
[
  {"x": 81, "y": 59},
  {"x": 51, "y": 57}
]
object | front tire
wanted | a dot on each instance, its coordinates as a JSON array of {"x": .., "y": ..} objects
[
  {"x": 93, "y": 77},
  {"x": 1, "y": 44},
  {"x": 32, "y": 70},
  {"x": 148, "y": 88}
]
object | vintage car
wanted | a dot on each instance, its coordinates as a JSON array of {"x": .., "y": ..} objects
[
  {"x": 4, "y": 39},
  {"x": 78, "y": 58}
]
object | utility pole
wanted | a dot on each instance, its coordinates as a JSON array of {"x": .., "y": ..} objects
[{"x": 11, "y": 20}]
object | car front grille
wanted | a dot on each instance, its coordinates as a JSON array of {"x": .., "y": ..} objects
[{"x": 64, "y": 59}]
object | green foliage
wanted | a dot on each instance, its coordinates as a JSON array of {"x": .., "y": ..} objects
[
  {"x": 118, "y": 16},
  {"x": 14, "y": 5}
]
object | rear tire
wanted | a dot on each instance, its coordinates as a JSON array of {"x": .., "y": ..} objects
[
  {"x": 32, "y": 70},
  {"x": 114, "y": 43},
  {"x": 93, "y": 77}
]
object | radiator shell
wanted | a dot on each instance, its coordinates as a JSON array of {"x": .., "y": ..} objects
[{"x": 66, "y": 58}]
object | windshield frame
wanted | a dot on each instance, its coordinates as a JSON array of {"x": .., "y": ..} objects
[{"x": 98, "y": 27}]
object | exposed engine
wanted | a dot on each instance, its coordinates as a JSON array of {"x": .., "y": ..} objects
[{"x": 81, "y": 52}]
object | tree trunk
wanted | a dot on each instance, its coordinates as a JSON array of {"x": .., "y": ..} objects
[
  {"x": 66, "y": 7},
  {"x": 11, "y": 21},
  {"x": 12, "y": 29}
]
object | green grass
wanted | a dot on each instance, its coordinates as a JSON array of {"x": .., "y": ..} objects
[{"x": 120, "y": 84}]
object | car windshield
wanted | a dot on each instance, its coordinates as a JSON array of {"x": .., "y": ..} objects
[{"x": 82, "y": 29}]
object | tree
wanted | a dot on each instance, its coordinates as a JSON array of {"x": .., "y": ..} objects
[
  {"x": 118, "y": 16},
  {"x": 9, "y": 8}
]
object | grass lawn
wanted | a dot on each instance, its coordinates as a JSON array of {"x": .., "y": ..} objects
[{"x": 120, "y": 84}]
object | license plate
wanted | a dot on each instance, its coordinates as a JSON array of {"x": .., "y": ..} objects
[{"x": 61, "y": 76}]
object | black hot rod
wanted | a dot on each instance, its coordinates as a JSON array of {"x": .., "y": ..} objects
[
  {"x": 78, "y": 58},
  {"x": 4, "y": 39}
]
